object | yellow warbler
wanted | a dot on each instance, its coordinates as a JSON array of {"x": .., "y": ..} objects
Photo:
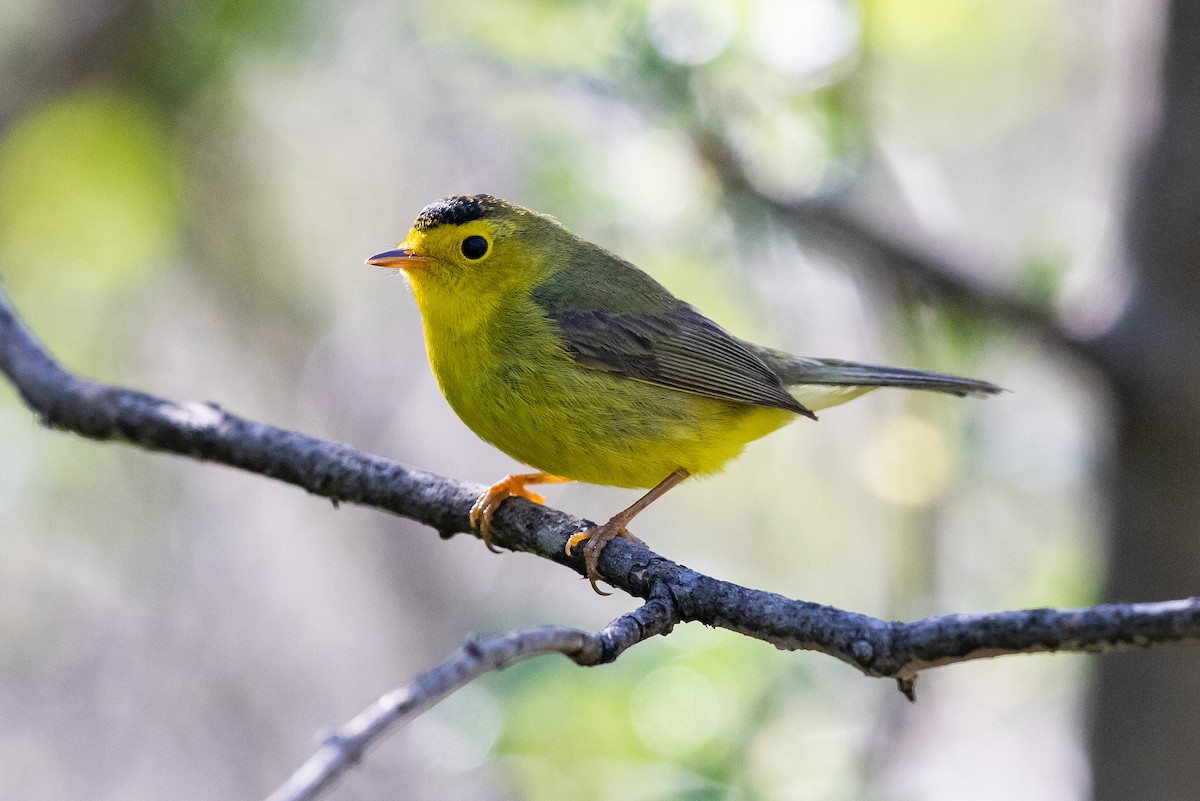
[{"x": 575, "y": 362}]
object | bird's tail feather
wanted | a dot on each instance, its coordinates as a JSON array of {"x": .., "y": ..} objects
[{"x": 801, "y": 370}]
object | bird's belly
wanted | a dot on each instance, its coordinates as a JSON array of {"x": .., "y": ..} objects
[{"x": 597, "y": 427}]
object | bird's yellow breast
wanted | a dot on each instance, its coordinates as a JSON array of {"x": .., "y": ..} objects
[{"x": 507, "y": 375}]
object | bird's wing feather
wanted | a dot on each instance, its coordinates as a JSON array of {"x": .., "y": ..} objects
[{"x": 677, "y": 348}]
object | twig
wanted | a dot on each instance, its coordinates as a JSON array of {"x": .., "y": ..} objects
[
  {"x": 876, "y": 647},
  {"x": 345, "y": 747}
]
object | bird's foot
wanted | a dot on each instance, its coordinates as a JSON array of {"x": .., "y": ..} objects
[
  {"x": 514, "y": 486},
  {"x": 597, "y": 537}
]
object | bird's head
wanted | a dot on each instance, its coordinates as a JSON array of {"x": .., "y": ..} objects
[{"x": 466, "y": 252}]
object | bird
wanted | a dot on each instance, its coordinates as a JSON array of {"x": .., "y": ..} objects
[{"x": 577, "y": 363}]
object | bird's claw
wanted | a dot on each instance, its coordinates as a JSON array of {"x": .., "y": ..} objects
[
  {"x": 486, "y": 505},
  {"x": 597, "y": 537}
]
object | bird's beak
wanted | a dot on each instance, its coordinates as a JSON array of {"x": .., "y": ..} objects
[{"x": 401, "y": 258}]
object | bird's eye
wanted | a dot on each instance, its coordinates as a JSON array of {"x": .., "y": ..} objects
[{"x": 474, "y": 247}]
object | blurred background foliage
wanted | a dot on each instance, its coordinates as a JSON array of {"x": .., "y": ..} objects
[{"x": 187, "y": 192}]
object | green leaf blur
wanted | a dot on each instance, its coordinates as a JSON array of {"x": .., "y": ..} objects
[{"x": 88, "y": 193}]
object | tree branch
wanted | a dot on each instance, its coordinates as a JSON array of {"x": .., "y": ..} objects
[
  {"x": 80, "y": 45},
  {"x": 827, "y": 221},
  {"x": 876, "y": 647},
  {"x": 345, "y": 747}
]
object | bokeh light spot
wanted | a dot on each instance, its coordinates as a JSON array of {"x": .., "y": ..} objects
[
  {"x": 657, "y": 179},
  {"x": 803, "y": 37},
  {"x": 460, "y": 733},
  {"x": 675, "y": 710},
  {"x": 907, "y": 462},
  {"x": 691, "y": 31}
]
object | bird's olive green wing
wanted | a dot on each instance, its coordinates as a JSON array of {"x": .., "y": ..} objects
[{"x": 672, "y": 345}]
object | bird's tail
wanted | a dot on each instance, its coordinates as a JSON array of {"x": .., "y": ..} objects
[{"x": 821, "y": 383}]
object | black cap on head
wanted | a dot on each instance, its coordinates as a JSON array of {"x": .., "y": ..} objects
[{"x": 456, "y": 210}]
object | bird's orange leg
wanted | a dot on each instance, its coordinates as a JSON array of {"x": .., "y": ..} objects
[
  {"x": 507, "y": 487},
  {"x": 599, "y": 536}
]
